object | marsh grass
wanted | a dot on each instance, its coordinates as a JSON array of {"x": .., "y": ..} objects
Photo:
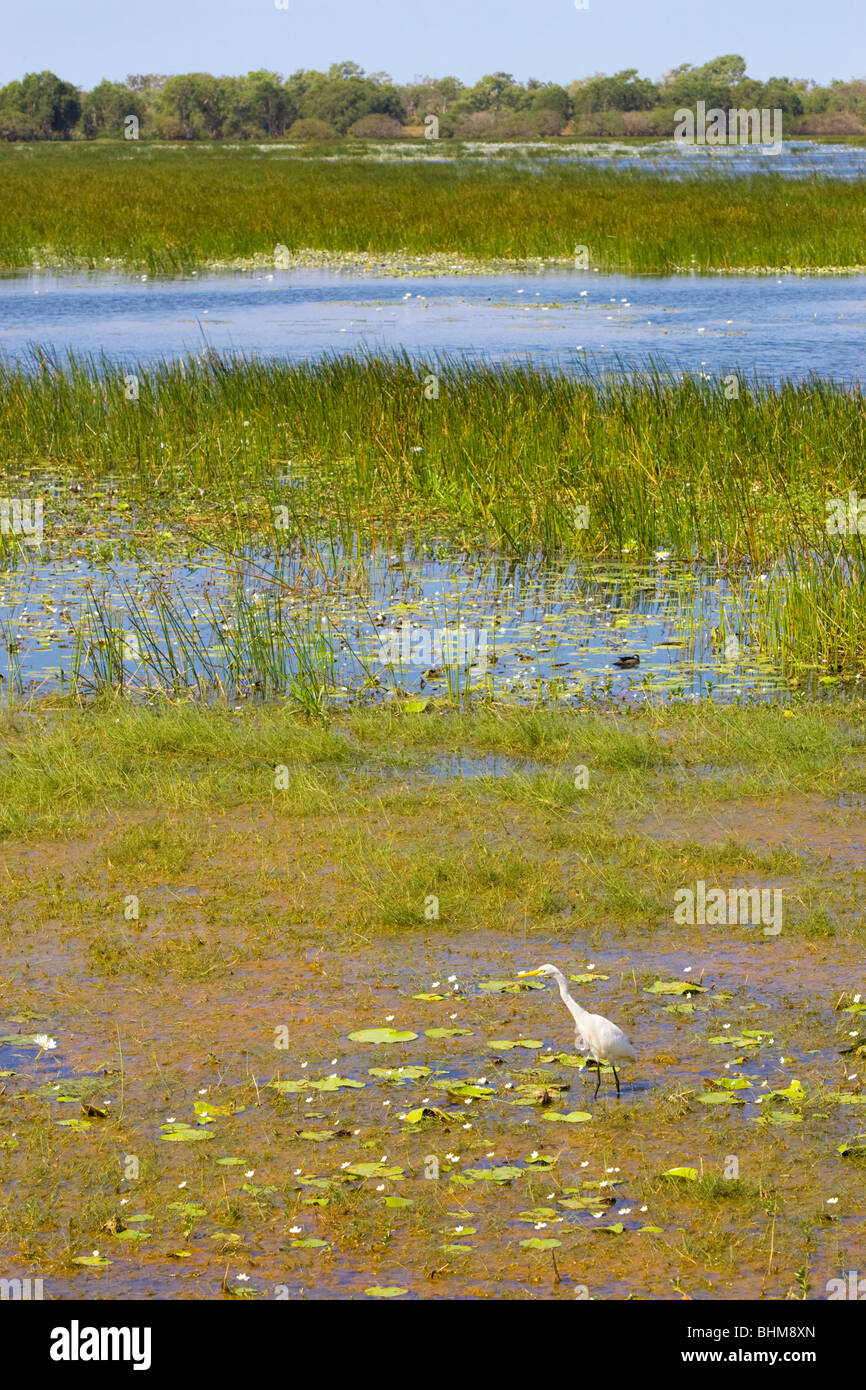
[
  {"x": 167, "y": 209},
  {"x": 298, "y": 471}
]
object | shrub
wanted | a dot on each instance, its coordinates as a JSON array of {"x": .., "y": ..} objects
[
  {"x": 477, "y": 125},
  {"x": 833, "y": 123},
  {"x": 377, "y": 127},
  {"x": 309, "y": 128}
]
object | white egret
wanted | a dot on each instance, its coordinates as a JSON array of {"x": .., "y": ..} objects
[{"x": 604, "y": 1041}]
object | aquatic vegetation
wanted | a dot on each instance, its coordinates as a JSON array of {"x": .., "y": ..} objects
[
  {"x": 304, "y": 495},
  {"x": 167, "y": 209}
]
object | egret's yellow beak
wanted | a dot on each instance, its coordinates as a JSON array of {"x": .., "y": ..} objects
[{"x": 523, "y": 974}]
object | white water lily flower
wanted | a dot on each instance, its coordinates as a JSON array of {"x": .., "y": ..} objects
[
  {"x": 244, "y": 1277},
  {"x": 42, "y": 1040},
  {"x": 295, "y": 1230},
  {"x": 250, "y": 1174}
]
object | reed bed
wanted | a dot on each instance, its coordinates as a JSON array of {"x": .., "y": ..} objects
[
  {"x": 159, "y": 209},
  {"x": 305, "y": 468}
]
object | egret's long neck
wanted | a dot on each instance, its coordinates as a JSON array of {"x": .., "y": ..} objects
[{"x": 577, "y": 1013}]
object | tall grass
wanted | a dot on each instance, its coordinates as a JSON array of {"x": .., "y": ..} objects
[
  {"x": 350, "y": 448},
  {"x": 301, "y": 470},
  {"x": 247, "y": 647},
  {"x": 166, "y": 209}
]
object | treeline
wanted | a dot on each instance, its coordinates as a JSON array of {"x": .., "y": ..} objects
[{"x": 346, "y": 101}]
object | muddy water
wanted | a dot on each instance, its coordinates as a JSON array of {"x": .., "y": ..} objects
[{"x": 785, "y": 989}]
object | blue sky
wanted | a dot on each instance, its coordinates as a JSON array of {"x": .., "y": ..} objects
[{"x": 85, "y": 40}]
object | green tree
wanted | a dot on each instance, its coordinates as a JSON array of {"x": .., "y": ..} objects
[
  {"x": 105, "y": 108},
  {"x": 40, "y": 107}
]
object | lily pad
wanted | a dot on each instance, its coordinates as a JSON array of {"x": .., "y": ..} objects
[
  {"x": 336, "y": 1083},
  {"x": 854, "y": 1148},
  {"x": 382, "y": 1035},
  {"x": 374, "y": 1170},
  {"x": 179, "y": 1133},
  {"x": 551, "y": 1243},
  {"x": 778, "y": 1117},
  {"x": 684, "y": 1174},
  {"x": 464, "y": 1090},
  {"x": 675, "y": 987},
  {"x": 389, "y": 1291},
  {"x": 720, "y": 1098},
  {"x": 586, "y": 1203},
  {"x": 510, "y": 986},
  {"x": 507, "y": 1173},
  {"x": 91, "y": 1261},
  {"x": 793, "y": 1093},
  {"x": 448, "y": 1032},
  {"x": 429, "y": 1112},
  {"x": 616, "y": 1229},
  {"x": 399, "y": 1074},
  {"x": 574, "y": 1117},
  {"x": 505, "y": 1046}
]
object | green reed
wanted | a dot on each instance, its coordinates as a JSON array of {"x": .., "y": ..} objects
[
  {"x": 303, "y": 468},
  {"x": 165, "y": 209}
]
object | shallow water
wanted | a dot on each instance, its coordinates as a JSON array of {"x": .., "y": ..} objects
[
  {"x": 576, "y": 321},
  {"x": 796, "y": 158},
  {"x": 422, "y": 622}
]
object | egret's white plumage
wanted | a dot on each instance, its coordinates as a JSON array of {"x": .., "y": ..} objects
[{"x": 602, "y": 1040}]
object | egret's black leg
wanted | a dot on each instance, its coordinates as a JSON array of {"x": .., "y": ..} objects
[
  {"x": 598, "y": 1082},
  {"x": 616, "y": 1079}
]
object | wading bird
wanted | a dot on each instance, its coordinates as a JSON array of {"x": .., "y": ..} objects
[{"x": 605, "y": 1043}]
